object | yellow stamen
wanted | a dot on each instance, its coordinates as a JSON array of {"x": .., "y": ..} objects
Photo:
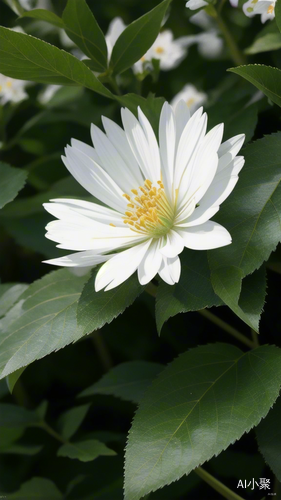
[
  {"x": 270, "y": 9},
  {"x": 126, "y": 196},
  {"x": 113, "y": 225},
  {"x": 159, "y": 50},
  {"x": 151, "y": 213}
]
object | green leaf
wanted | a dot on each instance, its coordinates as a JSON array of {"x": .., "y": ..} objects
[
  {"x": 202, "y": 402},
  {"x": 277, "y": 11},
  {"x": 227, "y": 283},
  {"x": 269, "y": 438},
  {"x": 13, "y": 378},
  {"x": 28, "y": 58},
  {"x": 97, "y": 308},
  {"x": 253, "y": 210},
  {"x": 237, "y": 117},
  {"x": 37, "y": 487},
  {"x": 70, "y": 421},
  {"x": 270, "y": 41},
  {"x": 82, "y": 28},
  {"x": 17, "y": 416},
  {"x": 45, "y": 15},
  {"x": 84, "y": 450},
  {"x": 42, "y": 322},
  {"x": 12, "y": 181},
  {"x": 137, "y": 38},
  {"x": 253, "y": 293},
  {"x": 126, "y": 381},
  {"x": 194, "y": 290},
  {"x": 265, "y": 78},
  {"x": 9, "y": 295}
]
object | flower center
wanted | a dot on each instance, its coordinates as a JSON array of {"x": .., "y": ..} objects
[
  {"x": 270, "y": 9},
  {"x": 159, "y": 50},
  {"x": 190, "y": 102},
  {"x": 149, "y": 211}
]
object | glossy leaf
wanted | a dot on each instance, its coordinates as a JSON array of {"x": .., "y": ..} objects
[
  {"x": 45, "y": 15},
  {"x": 12, "y": 181},
  {"x": 83, "y": 29},
  {"x": 269, "y": 438},
  {"x": 70, "y": 421},
  {"x": 37, "y": 487},
  {"x": 43, "y": 321},
  {"x": 265, "y": 78},
  {"x": 194, "y": 290},
  {"x": 137, "y": 38},
  {"x": 28, "y": 58},
  {"x": 97, "y": 308},
  {"x": 85, "y": 451},
  {"x": 271, "y": 41},
  {"x": 9, "y": 295},
  {"x": 252, "y": 211},
  {"x": 238, "y": 117},
  {"x": 202, "y": 402},
  {"x": 127, "y": 381},
  {"x": 13, "y": 378},
  {"x": 277, "y": 11}
]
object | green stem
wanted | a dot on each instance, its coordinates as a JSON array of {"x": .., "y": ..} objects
[
  {"x": 217, "y": 485},
  {"x": 101, "y": 350},
  {"x": 255, "y": 338},
  {"x": 52, "y": 432},
  {"x": 111, "y": 80},
  {"x": 237, "y": 56},
  {"x": 227, "y": 328},
  {"x": 151, "y": 289}
]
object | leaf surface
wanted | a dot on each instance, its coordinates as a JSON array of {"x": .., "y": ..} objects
[
  {"x": 85, "y": 451},
  {"x": 202, "y": 402},
  {"x": 126, "y": 381},
  {"x": 28, "y": 58},
  {"x": 12, "y": 181},
  {"x": 43, "y": 321}
]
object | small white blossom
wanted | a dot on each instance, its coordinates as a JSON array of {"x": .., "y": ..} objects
[
  {"x": 195, "y": 4},
  {"x": 157, "y": 197},
  {"x": 209, "y": 43},
  {"x": 168, "y": 51},
  {"x": 266, "y": 8},
  {"x": 115, "y": 29},
  {"x": 46, "y": 95},
  {"x": 12, "y": 90},
  {"x": 192, "y": 98}
]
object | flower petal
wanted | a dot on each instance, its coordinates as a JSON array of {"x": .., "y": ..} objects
[
  {"x": 170, "y": 270},
  {"x": 228, "y": 150},
  {"x": 120, "y": 267},
  {"x": 174, "y": 245},
  {"x": 79, "y": 259},
  {"x": 150, "y": 263},
  {"x": 111, "y": 161},
  {"x": 191, "y": 137},
  {"x": 94, "y": 179},
  {"x": 167, "y": 143},
  {"x": 119, "y": 140},
  {"x": 206, "y": 236},
  {"x": 92, "y": 210},
  {"x": 139, "y": 144}
]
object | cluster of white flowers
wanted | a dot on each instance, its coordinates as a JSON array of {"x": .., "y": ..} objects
[
  {"x": 191, "y": 96},
  {"x": 266, "y": 8},
  {"x": 12, "y": 90},
  {"x": 159, "y": 197}
]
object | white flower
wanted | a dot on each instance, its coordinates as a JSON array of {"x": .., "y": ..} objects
[
  {"x": 195, "y": 4},
  {"x": 115, "y": 29},
  {"x": 168, "y": 51},
  {"x": 264, "y": 7},
  {"x": 12, "y": 90},
  {"x": 46, "y": 95},
  {"x": 157, "y": 198},
  {"x": 192, "y": 98},
  {"x": 209, "y": 42}
]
